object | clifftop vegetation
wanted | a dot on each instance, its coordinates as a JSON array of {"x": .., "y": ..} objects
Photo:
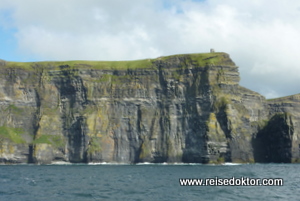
[{"x": 202, "y": 59}]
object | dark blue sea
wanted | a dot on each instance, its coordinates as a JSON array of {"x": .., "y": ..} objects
[{"x": 143, "y": 182}]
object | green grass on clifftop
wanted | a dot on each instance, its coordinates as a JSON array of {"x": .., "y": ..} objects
[
  {"x": 201, "y": 59},
  {"x": 204, "y": 59},
  {"x": 101, "y": 65},
  {"x": 290, "y": 98}
]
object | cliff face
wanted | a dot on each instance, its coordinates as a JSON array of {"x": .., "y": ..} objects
[
  {"x": 182, "y": 108},
  {"x": 278, "y": 140}
]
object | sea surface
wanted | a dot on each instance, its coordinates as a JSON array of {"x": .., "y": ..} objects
[{"x": 143, "y": 182}]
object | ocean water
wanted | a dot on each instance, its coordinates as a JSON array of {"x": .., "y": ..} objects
[{"x": 143, "y": 182}]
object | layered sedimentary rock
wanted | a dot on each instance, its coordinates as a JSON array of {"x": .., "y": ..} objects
[
  {"x": 278, "y": 139},
  {"x": 182, "y": 108}
]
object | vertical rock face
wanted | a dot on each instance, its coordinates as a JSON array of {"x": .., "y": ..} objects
[
  {"x": 274, "y": 142},
  {"x": 182, "y": 108},
  {"x": 280, "y": 135}
]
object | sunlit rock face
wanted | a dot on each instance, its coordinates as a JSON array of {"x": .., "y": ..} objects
[{"x": 182, "y": 108}]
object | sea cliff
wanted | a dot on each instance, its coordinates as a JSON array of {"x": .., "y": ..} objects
[{"x": 182, "y": 108}]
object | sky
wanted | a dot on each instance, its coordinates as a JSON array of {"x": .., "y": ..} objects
[{"x": 261, "y": 36}]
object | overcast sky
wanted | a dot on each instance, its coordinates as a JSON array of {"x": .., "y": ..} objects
[{"x": 262, "y": 36}]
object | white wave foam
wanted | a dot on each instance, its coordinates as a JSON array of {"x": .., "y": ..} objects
[
  {"x": 106, "y": 163},
  {"x": 61, "y": 163},
  {"x": 165, "y": 163},
  {"x": 232, "y": 164}
]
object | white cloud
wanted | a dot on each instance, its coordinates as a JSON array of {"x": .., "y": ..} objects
[
  {"x": 262, "y": 38},
  {"x": 270, "y": 93}
]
